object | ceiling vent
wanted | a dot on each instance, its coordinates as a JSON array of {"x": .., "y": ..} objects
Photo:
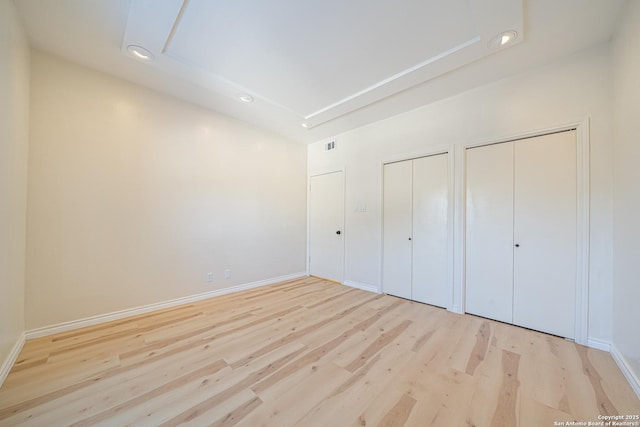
[{"x": 331, "y": 145}]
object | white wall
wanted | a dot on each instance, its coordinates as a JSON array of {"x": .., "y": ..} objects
[
  {"x": 14, "y": 138},
  {"x": 134, "y": 196},
  {"x": 626, "y": 189},
  {"x": 565, "y": 91}
]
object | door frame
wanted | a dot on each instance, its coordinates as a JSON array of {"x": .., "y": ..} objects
[
  {"x": 342, "y": 214},
  {"x": 434, "y": 150},
  {"x": 582, "y": 217}
]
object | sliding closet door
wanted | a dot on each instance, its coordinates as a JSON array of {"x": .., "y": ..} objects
[
  {"x": 430, "y": 212},
  {"x": 545, "y": 233},
  {"x": 489, "y": 232},
  {"x": 396, "y": 267}
]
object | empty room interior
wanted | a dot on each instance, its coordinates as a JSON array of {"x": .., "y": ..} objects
[{"x": 319, "y": 213}]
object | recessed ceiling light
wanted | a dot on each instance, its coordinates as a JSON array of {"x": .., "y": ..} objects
[
  {"x": 246, "y": 98},
  {"x": 304, "y": 125},
  {"x": 502, "y": 39},
  {"x": 139, "y": 52}
]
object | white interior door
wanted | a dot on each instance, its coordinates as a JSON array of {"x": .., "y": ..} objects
[
  {"x": 430, "y": 231},
  {"x": 326, "y": 226},
  {"x": 397, "y": 229},
  {"x": 489, "y": 232},
  {"x": 545, "y": 233}
]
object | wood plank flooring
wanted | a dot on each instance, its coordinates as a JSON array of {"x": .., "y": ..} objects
[{"x": 309, "y": 352}]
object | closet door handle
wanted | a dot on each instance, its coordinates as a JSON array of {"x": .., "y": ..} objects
[
  {"x": 409, "y": 238},
  {"x": 517, "y": 245}
]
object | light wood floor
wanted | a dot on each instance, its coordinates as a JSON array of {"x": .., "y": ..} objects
[{"x": 309, "y": 353}]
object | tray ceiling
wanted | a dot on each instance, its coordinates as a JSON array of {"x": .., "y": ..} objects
[
  {"x": 329, "y": 65},
  {"x": 318, "y": 59}
]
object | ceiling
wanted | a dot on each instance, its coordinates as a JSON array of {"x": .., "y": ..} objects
[{"x": 327, "y": 65}]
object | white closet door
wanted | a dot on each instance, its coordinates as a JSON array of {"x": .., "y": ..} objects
[
  {"x": 545, "y": 232},
  {"x": 430, "y": 213},
  {"x": 489, "y": 232},
  {"x": 326, "y": 218},
  {"x": 396, "y": 268}
]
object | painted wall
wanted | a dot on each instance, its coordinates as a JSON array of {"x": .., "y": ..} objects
[
  {"x": 14, "y": 139},
  {"x": 567, "y": 90},
  {"x": 134, "y": 196},
  {"x": 626, "y": 189}
]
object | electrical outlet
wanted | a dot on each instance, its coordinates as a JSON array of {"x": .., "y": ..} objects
[
  {"x": 209, "y": 277},
  {"x": 227, "y": 274}
]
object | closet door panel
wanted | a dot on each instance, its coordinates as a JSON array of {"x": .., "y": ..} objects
[
  {"x": 489, "y": 232},
  {"x": 545, "y": 232},
  {"x": 430, "y": 246},
  {"x": 397, "y": 214}
]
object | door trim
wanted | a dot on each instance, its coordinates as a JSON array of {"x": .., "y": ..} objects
[
  {"x": 449, "y": 150},
  {"x": 344, "y": 225},
  {"x": 582, "y": 218}
]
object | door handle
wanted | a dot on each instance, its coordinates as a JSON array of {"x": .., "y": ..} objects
[
  {"x": 517, "y": 245},
  {"x": 338, "y": 232}
]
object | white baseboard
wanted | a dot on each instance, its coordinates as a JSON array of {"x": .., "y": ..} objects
[
  {"x": 7, "y": 364},
  {"x": 102, "y": 318},
  {"x": 599, "y": 344},
  {"x": 363, "y": 286},
  {"x": 626, "y": 369},
  {"x": 456, "y": 309}
]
